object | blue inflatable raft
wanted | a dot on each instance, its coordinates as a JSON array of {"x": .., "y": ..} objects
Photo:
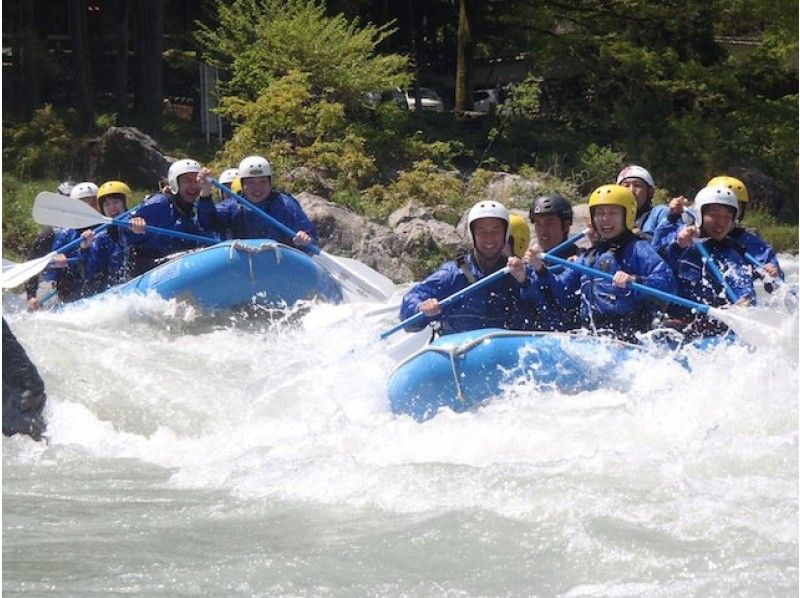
[
  {"x": 463, "y": 370},
  {"x": 237, "y": 273}
]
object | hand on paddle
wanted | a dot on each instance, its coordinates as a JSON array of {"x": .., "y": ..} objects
[
  {"x": 301, "y": 239},
  {"x": 204, "y": 180},
  {"x": 686, "y": 236},
  {"x": 677, "y": 205}
]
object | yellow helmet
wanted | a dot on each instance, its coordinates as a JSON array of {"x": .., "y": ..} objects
[
  {"x": 733, "y": 184},
  {"x": 236, "y": 185},
  {"x": 520, "y": 234},
  {"x": 615, "y": 195},
  {"x": 113, "y": 188}
]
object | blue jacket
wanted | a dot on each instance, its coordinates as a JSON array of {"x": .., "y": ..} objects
[
  {"x": 162, "y": 210},
  {"x": 604, "y": 305},
  {"x": 553, "y": 307},
  {"x": 238, "y": 222},
  {"x": 648, "y": 219},
  {"x": 499, "y": 305},
  {"x": 667, "y": 229},
  {"x": 70, "y": 281},
  {"x": 698, "y": 283},
  {"x": 749, "y": 241},
  {"x": 106, "y": 263}
]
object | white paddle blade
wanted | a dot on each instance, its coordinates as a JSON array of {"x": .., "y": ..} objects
[
  {"x": 19, "y": 273},
  {"x": 56, "y": 210},
  {"x": 410, "y": 342},
  {"x": 761, "y": 328},
  {"x": 354, "y": 282}
]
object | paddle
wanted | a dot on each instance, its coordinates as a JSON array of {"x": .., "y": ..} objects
[
  {"x": 57, "y": 210},
  {"x": 351, "y": 274},
  {"x": 712, "y": 265},
  {"x": 16, "y": 275},
  {"x": 747, "y": 327}
]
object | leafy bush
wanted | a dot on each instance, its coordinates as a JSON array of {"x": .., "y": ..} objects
[
  {"x": 426, "y": 184},
  {"x": 40, "y": 148},
  {"x": 598, "y": 166},
  {"x": 782, "y": 237}
]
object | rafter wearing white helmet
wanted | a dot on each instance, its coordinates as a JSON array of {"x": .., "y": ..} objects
[
  {"x": 86, "y": 192},
  {"x": 191, "y": 188},
  {"x": 255, "y": 173}
]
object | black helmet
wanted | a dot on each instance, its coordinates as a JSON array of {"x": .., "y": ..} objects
[{"x": 553, "y": 203}]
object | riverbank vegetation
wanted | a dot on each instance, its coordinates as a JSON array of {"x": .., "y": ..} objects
[{"x": 607, "y": 84}]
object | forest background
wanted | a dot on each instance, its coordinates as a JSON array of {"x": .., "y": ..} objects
[{"x": 687, "y": 88}]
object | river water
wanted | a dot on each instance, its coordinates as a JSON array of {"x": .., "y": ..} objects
[{"x": 254, "y": 456}]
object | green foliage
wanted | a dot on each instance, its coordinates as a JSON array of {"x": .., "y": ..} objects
[
  {"x": 598, "y": 166},
  {"x": 426, "y": 184},
  {"x": 782, "y": 237},
  {"x": 43, "y": 147},
  {"x": 19, "y": 229},
  {"x": 259, "y": 41}
]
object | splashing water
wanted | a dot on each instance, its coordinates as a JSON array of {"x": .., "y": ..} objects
[{"x": 254, "y": 454}]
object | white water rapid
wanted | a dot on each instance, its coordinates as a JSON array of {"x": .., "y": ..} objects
[{"x": 170, "y": 470}]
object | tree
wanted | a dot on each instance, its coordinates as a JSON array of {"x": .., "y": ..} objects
[
  {"x": 82, "y": 77},
  {"x": 296, "y": 82},
  {"x": 149, "y": 82},
  {"x": 466, "y": 49}
]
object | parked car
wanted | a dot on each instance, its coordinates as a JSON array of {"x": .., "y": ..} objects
[
  {"x": 484, "y": 100},
  {"x": 428, "y": 98},
  {"x": 395, "y": 96}
]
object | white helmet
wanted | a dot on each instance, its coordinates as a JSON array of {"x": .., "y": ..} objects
[
  {"x": 177, "y": 169},
  {"x": 487, "y": 209},
  {"x": 719, "y": 195},
  {"x": 636, "y": 172},
  {"x": 254, "y": 166},
  {"x": 83, "y": 190},
  {"x": 228, "y": 176}
]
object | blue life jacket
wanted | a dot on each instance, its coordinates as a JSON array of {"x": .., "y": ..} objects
[
  {"x": 550, "y": 300},
  {"x": 648, "y": 218},
  {"x": 70, "y": 281},
  {"x": 164, "y": 211},
  {"x": 239, "y": 222},
  {"x": 106, "y": 264},
  {"x": 499, "y": 305},
  {"x": 603, "y": 305},
  {"x": 697, "y": 282},
  {"x": 745, "y": 240}
]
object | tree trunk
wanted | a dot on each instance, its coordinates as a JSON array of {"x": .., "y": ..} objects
[
  {"x": 83, "y": 96},
  {"x": 121, "y": 61},
  {"x": 149, "y": 91},
  {"x": 25, "y": 53},
  {"x": 466, "y": 49},
  {"x": 415, "y": 50}
]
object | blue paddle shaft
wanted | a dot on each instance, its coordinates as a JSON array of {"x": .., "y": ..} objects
[
  {"x": 276, "y": 223},
  {"x": 669, "y": 297},
  {"x": 169, "y": 232},
  {"x": 712, "y": 265},
  {"x": 75, "y": 242},
  {"x": 419, "y": 316}
]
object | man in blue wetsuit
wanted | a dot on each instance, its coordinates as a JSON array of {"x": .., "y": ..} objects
[
  {"x": 184, "y": 206},
  {"x": 499, "y": 305},
  {"x": 641, "y": 183},
  {"x": 552, "y": 217},
  {"x": 255, "y": 175},
  {"x": 716, "y": 208},
  {"x": 745, "y": 241}
]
